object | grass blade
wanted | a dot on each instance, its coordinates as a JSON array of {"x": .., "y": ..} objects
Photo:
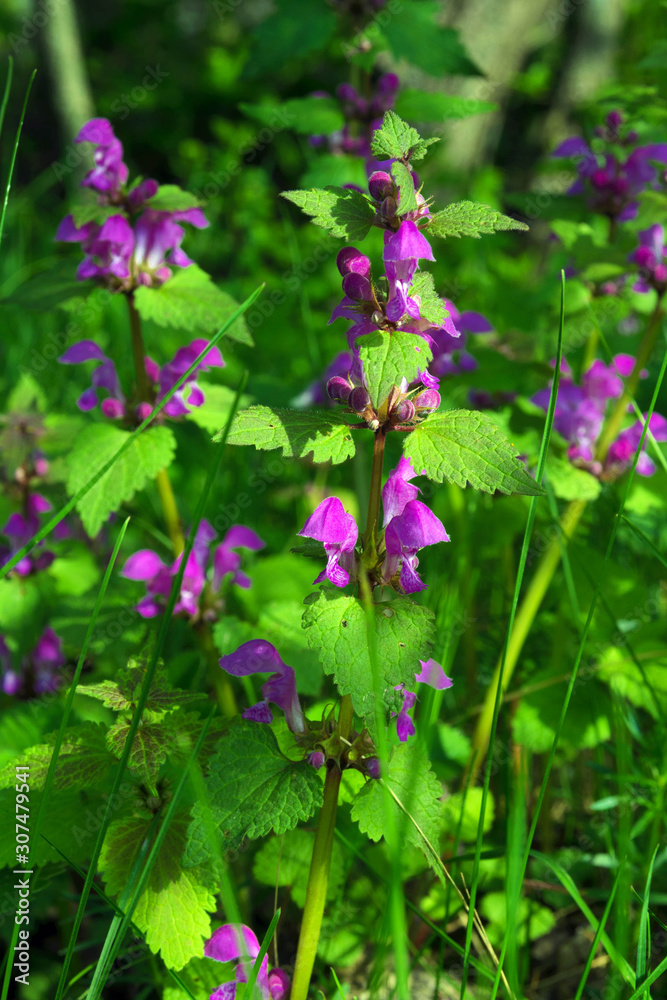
[
  {"x": 8, "y": 87},
  {"x": 252, "y": 978},
  {"x": 16, "y": 143},
  {"x": 644, "y": 937},
  {"x": 596, "y": 940}
]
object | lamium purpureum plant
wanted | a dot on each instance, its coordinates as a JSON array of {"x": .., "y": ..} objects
[{"x": 370, "y": 635}]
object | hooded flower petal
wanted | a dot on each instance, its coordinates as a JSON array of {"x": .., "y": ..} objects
[
  {"x": 143, "y": 565},
  {"x": 259, "y": 656},
  {"x": 338, "y": 532},
  {"x": 398, "y": 491},
  {"x": 431, "y": 673}
]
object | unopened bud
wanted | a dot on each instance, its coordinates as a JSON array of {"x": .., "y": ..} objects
[
  {"x": 614, "y": 119},
  {"x": 372, "y": 765},
  {"x": 359, "y": 399},
  {"x": 113, "y": 408},
  {"x": 316, "y": 758},
  {"x": 429, "y": 399},
  {"x": 351, "y": 261},
  {"x": 357, "y": 287},
  {"x": 380, "y": 185},
  {"x": 388, "y": 209},
  {"x": 405, "y": 411},
  {"x": 338, "y": 389},
  {"x": 143, "y": 410}
]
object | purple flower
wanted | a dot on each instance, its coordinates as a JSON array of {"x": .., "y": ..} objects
[
  {"x": 611, "y": 183},
  {"x": 363, "y": 115},
  {"x": 103, "y": 377},
  {"x": 226, "y": 560},
  {"x": 338, "y": 532},
  {"x": 432, "y": 674},
  {"x": 409, "y": 526},
  {"x": 20, "y": 529},
  {"x": 449, "y": 354},
  {"x": 109, "y": 173},
  {"x": 169, "y": 375},
  {"x": 147, "y": 566},
  {"x": 39, "y": 670},
  {"x": 260, "y": 657},
  {"x": 622, "y": 450},
  {"x": 157, "y": 234},
  {"x": 402, "y": 250},
  {"x": 236, "y": 941},
  {"x": 649, "y": 258},
  {"x": 580, "y": 412}
]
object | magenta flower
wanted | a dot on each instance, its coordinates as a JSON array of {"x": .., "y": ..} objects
[
  {"x": 147, "y": 566},
  {"x": 409, "y": 527},
  {"x": 105, "y": 378},
  {"x": 611, "y": 183},
  {"x": 236, "y": 941},
  {"x": 338, "y": 532},
  {"x": 39, "y": 670},
  {"x": 622, "y": 450},
  {"x": 109, "y": 173},
  {"x": 402, "y": 250},
  {"x": 260, "y": 657},
  {"x": 123, "y": 253},
  {"x": 449, "y": 354},
  {"x": 431, "y": 673},
  {"x": 19, "y": 529},
  {"x": 650, "y": 259}
]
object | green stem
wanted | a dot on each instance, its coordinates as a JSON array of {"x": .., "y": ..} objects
[
  {"x": 376, "y": 487},
  {"x": 219, "y": 679},
  {"x": 162, "y": 481},
  {"x": 549, "y": 563},
  {"x": 318, "y": 877}
]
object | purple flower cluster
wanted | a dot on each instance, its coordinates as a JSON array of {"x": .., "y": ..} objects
[
  {"x": 147, "y": 566},
  {"x": 408, "y": 526},
  {"x": 580, "y": 413},
  {"x": 105, "y": 378},
  {"x": 233, "y": 942},
  {"x": 650, "y": 259},
  {"x": 135, "y": 245},
  {"x": 259, "y": 657},
  {"x": 39, "y": 670},
  {"x": 23, "y": 526},
  {"x": 363, "y": 115},
  {"x": 613, "y": 180},
  {"x": 431, "y": 673}
]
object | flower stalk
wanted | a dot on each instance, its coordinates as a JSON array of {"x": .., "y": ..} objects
[{"x": 318, "y": 877}]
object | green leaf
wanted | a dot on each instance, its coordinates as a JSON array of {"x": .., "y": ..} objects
[
  {"x": 389, "y": 357},
  {"x": 415, "y": 785},
  {"x": 586, "y": 724},
  {"x": 148, "y": 453},
  {"x": 396, "y": 140},
  {"x": 570, "y": 483},
  {"x": 108, "y": 692},
  {"x": 303, "y": 115},
  {"x": 173, "y": 910},
  {"x": 531, "y": 920},
  {"x": 335, "y": 626},
  {"x": 83, "y": 761},
  {"x": 43, "y": 292},
  {"x": 464, "y": 808},
  {"x": 253, "y": 789},
  {"x": 90, "y": 211},
  {"x": 190, "y": 301},
  {"x": 465, "y": 446},
  {"x": 346, "y": 213},
  {"x": 405, "y": 182},
  {"x": 298, "y": 432},
  {"x": 432, "y": 307},
  {"x": 419, "y": 106},
  {"x": 287, "y": 862},
  {"x": 469, "y": 218},
  {"x": 414, "y": 34},
  {"x": 20, "y": 602},
  {"x": 172, "y": 198},
  {"x": 294, "y": 29},
  {"x": 214, "y": 411},
  {"x": 152, "y": 742}
]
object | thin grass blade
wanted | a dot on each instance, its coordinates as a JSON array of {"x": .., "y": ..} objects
[{"x": 16, "y": 145}]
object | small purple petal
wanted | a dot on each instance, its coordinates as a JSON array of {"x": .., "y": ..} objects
[
  {"x": 143, "y": 565},
  {"x": 84, "y": 350}
]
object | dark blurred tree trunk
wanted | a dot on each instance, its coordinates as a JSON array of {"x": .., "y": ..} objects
[{"x": 71, "y": 89}]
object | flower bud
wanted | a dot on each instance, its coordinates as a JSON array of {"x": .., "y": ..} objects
[
  {"x": 372, "y": 765},
  {"x": 316, "y": 758},
  {"x": 357, "y": 287},
  {"x": 377, "y": 317},
  {"x": 380, "y": 185},
  {"x": 143, "y": 410},
  {"x": 338, "y": 389},
  {"x": 429, "y": 399},
  {"x": 660, "y": 274},
  {"x": 614, "y": 119},
  {"x": 600, "y": 178},
  {"x": 351, "y": 261},
  {"x": 405, "y": 411},
  {"x": 346, "y": 92},
  {"x": 359, "y": 399},
  {"x": 389, "y": 208},
  {"x": 113, "y": 408},
  {"x": 41, "y": 466}
]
